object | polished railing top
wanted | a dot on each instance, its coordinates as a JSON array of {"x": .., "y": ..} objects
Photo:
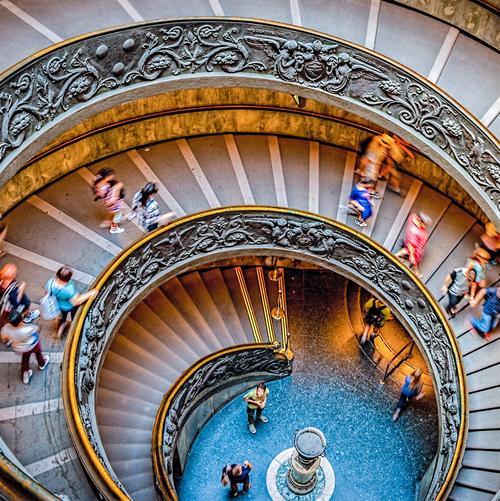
[
  {"x": 229, "y": 232},
  {"x": 67, "y": 81}
]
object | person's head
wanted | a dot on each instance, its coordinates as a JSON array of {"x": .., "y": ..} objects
[
  {"x": 481, "y": 255},
  {"x": 15, "y": 318},
  {"x": 470, "y": 274},
  {"x": 424, "y": 219},
  {"x": 64, "y": 274},
  {"x": 148, "y": 191},
  {"x": 491, "y": 230},
  {"x": 366, "y": 183},
  {"x": 261, "y": 389},
  {"x": 8, "y": 272},
  {"x": 379, "y": 304},
  {"x": 104, "y": 174}
]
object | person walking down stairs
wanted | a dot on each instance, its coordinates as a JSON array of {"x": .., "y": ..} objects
[
  {"x": 416, "y": 237},
  {"x": 256, "y": 400},
  {"x": 63, "y": 289},
  {"x": 24, "y": 340},
  {"x": 458, "y": 285},
  {"x": 376, "y": 314},
  {"x": 412, "y": 388},
  {"x": 110, "y": 192},
  {"x": 360, "y": 201},
  {"x": 147, "y": 210},
  {"x": 13, "y": 297},
  {"x": 491, "y": 311}
]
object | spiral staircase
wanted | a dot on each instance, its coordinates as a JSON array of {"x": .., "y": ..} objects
[{"x": 197, "y": 313}]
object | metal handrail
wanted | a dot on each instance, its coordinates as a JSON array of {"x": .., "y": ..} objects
[{"x": 388, "y": 370}]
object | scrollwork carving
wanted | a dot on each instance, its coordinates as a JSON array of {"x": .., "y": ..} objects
[
  {"x": 31, "y": 98},
  {"x": 223, "y": 368},
  {"x": 222, "y": 231}
]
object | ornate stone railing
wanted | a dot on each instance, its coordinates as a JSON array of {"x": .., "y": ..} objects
[
  {"x": 58, "y": 87},
  {"x": 225, "y": 374},
  {"x": 231, "y": 232}
]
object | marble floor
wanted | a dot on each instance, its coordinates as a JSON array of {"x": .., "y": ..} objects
[{"x": 334, "y": 388}]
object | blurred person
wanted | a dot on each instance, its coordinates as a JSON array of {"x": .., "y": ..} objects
[
  {"x": 416, "y": 237},
  {"x": 376, "y": 314},
  {"x": 110, "y": 193},
  {"x": 13, "y": 297},
  {"x": 256, "y": 400},
  {"x": 147, "y": 210},
  {"x": 489, "y": 315},
  {"x": 375, "y": 154},
  {"x": 398, "y": 150},
  {"x": 24, "y": 340},
  {"x": 490, "y": 242},
  {"x": 67, "y": 296},
  {"x": 479, "y": 263},
  {"x": 235, "y": 474},
  {"x": 458, "y": 285},
  {"x": 360, "y": 203},
  {"x": 412, "y": 389}
]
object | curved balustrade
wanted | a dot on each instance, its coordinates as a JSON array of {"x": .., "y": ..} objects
[
  {"x": 204, "y": 379},
  {"x": 16, "y": 484},
  {"x": 59, "y": 86},
  {"x": 221, "y": 233}
]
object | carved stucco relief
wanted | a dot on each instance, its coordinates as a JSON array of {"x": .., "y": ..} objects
[
  {"x": 38, "y": 93},
  {"x": 220, "y": 234}
]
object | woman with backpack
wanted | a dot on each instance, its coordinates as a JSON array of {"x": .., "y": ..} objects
[
  {"x": 68, "y": 299},
  {"x": 147, "y": 209}
]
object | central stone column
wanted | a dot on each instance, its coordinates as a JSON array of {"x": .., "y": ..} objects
[{"x": 310, "y": 445}]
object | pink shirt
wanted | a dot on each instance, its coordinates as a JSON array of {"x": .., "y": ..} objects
[{"x": 416, "y": 236}]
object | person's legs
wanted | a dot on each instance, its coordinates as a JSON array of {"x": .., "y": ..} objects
[
  {"x": 452, "y": 302},
  {"x": 482, "y": 324},
  {"x": 234, "y": 489},
  {"x": 402, "y": 253},
  {"x": 25, "y": 361},
  {"x": 366, "y": 333},
  {"x": 37, "y": 350},
  {"x": 402, "y": 402},
  {"x": 246, "y": 485}
]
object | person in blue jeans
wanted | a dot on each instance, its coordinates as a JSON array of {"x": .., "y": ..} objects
[
  {"x": 235, "y": 474},
  {"x": 412, "y": 388},
  {"x": 491, "y": 310}
]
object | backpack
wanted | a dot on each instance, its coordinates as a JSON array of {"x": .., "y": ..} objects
[
  {"x": 49, "y": 305},
  {"x": 5, "y": 305}
]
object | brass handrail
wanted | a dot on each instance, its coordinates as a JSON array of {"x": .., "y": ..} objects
[
  {"x": 16, "y": 485},
  {"x": 206, "y": 236},
  {"x": 168, "y": 416}
]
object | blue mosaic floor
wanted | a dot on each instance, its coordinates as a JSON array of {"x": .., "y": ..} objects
[{"x": 335, "y": 389}]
